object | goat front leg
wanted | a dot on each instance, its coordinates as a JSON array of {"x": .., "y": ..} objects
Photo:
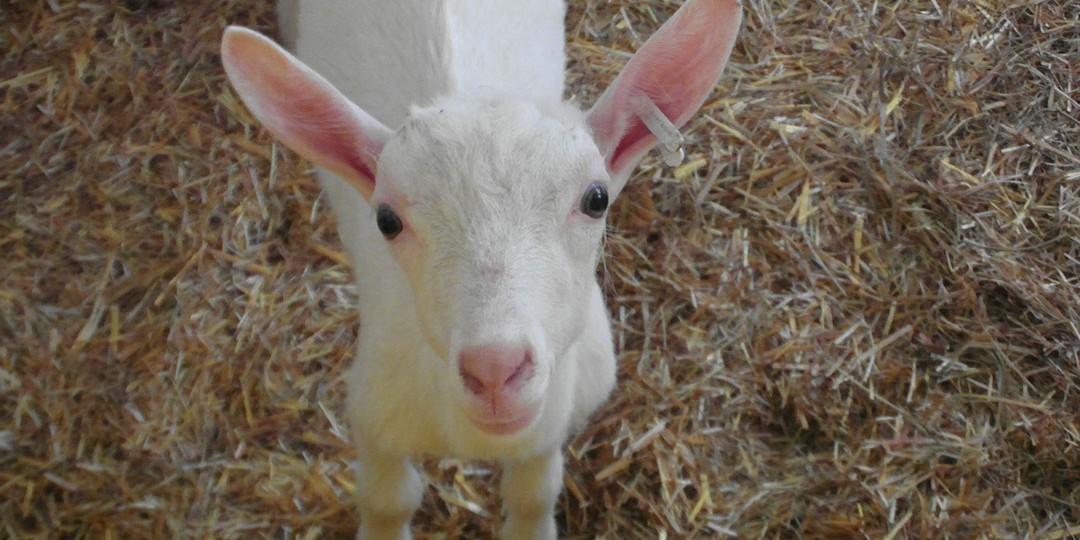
[
  {"x": 388, "y": 491},
  {"x": 530, "y": 488}
]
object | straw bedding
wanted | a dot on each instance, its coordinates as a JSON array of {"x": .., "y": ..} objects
[{"x": 852, "y": 312}]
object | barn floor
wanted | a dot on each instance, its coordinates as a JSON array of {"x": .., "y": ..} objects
[{"x": 854, "y": 312}]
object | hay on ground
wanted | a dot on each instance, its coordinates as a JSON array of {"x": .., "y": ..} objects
[{"x": 853, "y": 312}]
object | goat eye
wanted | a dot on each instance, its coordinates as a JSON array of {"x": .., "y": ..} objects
[
  {"x": 595, "y": 200},
  {"x": 388, "y": 221}
]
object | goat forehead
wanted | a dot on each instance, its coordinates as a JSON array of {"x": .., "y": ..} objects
[{"x": 470, "y": 150}]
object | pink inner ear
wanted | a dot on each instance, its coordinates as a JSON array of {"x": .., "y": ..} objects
[
  {"x": 302, "y": 109},
  {"x": 676, "y": 68},
  {"x": 361, "y": 168},
  {"x": 678, "y": 102},
  {"x": 316, "y": 125}
]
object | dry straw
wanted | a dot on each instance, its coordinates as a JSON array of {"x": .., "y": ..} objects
[{"x": 852, "y": 313}]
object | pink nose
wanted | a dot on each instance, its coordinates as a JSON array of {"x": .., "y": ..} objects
[{"x": 491, "y": 370}]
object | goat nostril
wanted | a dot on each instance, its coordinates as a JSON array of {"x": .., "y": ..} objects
[
  {"x": 494, "y": 370},
  {"x": 472, "y": 382},
  {"x": 520, "y": 373}
]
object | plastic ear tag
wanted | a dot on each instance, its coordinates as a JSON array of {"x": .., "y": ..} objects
[{"x": 667, "y": 135}]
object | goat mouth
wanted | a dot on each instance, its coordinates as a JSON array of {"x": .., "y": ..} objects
[{"x": 504, "y": 426}]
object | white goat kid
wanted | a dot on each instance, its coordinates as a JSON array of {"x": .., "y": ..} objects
[{"x": 471, "y": 200}]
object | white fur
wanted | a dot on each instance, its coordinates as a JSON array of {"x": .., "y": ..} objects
[
  {"x": 480, "y": 203},
  {"x": 486, "y": 167},
  {"x": 403, "y": 391}
]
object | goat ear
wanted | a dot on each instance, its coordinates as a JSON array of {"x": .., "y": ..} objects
[
  {"x": 675, "y": 69},
  {"x": 302, "y": 109}
]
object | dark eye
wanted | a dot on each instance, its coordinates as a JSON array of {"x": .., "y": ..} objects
[
  {"x": 388, "y": 221},
  {"x": 594, "y": 202}
]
